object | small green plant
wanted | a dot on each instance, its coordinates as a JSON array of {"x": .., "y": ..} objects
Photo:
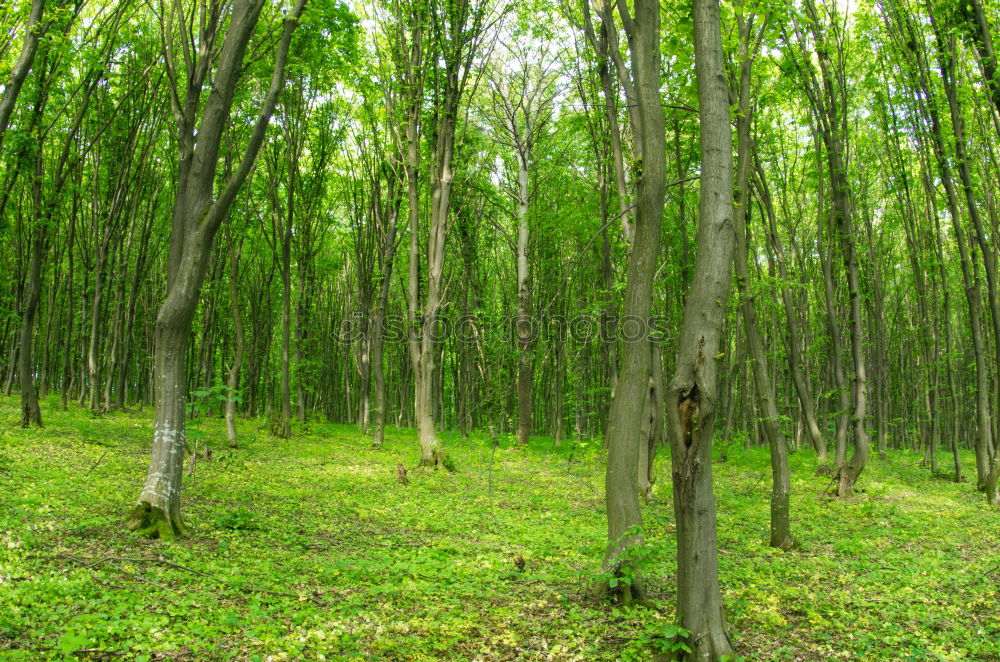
[
  {"x": 204, "y": 399},
  {"x": 240, "y": 519},
  {"x": 622, "y": 574},
  {"x": 666, "y": 638}
]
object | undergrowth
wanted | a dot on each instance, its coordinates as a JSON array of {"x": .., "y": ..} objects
[{"x": 310, "y": 549}]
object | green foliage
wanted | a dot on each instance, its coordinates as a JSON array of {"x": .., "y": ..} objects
[
  {"x": 347, "y": 564},
  {"x": 666, "y": 638},
  {"x": 240, "y": 519},
  {"x": 211, "y": 398}
]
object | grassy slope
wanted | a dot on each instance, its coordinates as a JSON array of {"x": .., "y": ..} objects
[{"x": 348, "y": 564}]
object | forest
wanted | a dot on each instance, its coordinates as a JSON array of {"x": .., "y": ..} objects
[{"x": 493, "y": 330}]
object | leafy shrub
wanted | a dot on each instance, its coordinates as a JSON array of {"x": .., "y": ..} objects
[{"x": 240, "y": 519}]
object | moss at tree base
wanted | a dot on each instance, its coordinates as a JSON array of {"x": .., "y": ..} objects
[{"x": 153, "y": 522}]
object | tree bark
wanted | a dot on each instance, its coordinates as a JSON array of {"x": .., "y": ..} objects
[
  {"x": 30, "y": 412},
  {"x": 692, "y": 394},
  {"x": 628, "y": 404},
  {"x": 196, "y": 219}
]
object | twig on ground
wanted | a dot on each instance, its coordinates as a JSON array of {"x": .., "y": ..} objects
[
  {"x": 97, "y": 463},
  {"x": 754, "y": 486}
]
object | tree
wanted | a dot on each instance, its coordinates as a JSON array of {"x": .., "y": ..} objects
[
  {"x": 780, "y": 484},
  {"x": 827, "y": 94},
  {"x": 434, "y": 48},
  {"x": 197, "y": 214},
  {"x": 692, "y": 394},
  {"x": 628, "y": 403},
  {"x": 522, "y": 93}
]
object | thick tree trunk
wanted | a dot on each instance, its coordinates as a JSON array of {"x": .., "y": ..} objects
[
  {"x": 692, "y": 394},
  {"x": 196, "y": 220},
  {"x": 158, "y": 513}
]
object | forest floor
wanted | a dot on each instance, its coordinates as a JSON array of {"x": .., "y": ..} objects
[{"x": 309, "y": 549}]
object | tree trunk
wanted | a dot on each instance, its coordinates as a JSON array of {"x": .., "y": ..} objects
[
  {"x": 781, "y": 536},
  {"x": 388, "y": 254},
  {"x": 30, "y": 412},
  {"x": 233, "y": 380},
  {"x": 32, "y": 36},
  {"x": 692, "y": 394},
  {"x": 833, "y": 328},
  {"x": 629, "y": 402},
  {"x": 794, "y": 343},
  {"x": 196, "y": 220},
  {"x": 524, "y": 363}
]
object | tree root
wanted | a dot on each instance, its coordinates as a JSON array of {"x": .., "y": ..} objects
[
  {"x": 625, "y": 594},
  {"x": 439, "y": 459},
  {"x": 152, "y": 522}
]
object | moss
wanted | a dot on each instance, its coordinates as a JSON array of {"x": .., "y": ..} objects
[
  {"x": 154, "y": 523},
  {"x": 442, "y": 459}
]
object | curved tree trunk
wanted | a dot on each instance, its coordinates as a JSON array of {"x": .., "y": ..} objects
[
  {"x": 629, "y": 403},
  {"x": 196, "y": 220}
]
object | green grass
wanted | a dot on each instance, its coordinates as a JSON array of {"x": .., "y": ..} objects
[{"x": 309, "y": 549}]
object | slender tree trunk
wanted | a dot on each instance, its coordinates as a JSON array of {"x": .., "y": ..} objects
[
  {"x": 794, "y": 342},
  {"x": 836, "y": 343},
  {"x": 32, "y": 37},
  {"x": 233, "y": 380},
  {"x": 946, "y": 50},
  {"x": 781, "y": 536},
  {"x": 67, "y": 346},
  {"x": 378, "y": 320},
  {"x": 629, "y": 402},
  {"x": 524, "y": 363},
  {"x": 930, "y": 115},
  {"x": 93, "y": 376},
  {"x": 30, "y": 412}
]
